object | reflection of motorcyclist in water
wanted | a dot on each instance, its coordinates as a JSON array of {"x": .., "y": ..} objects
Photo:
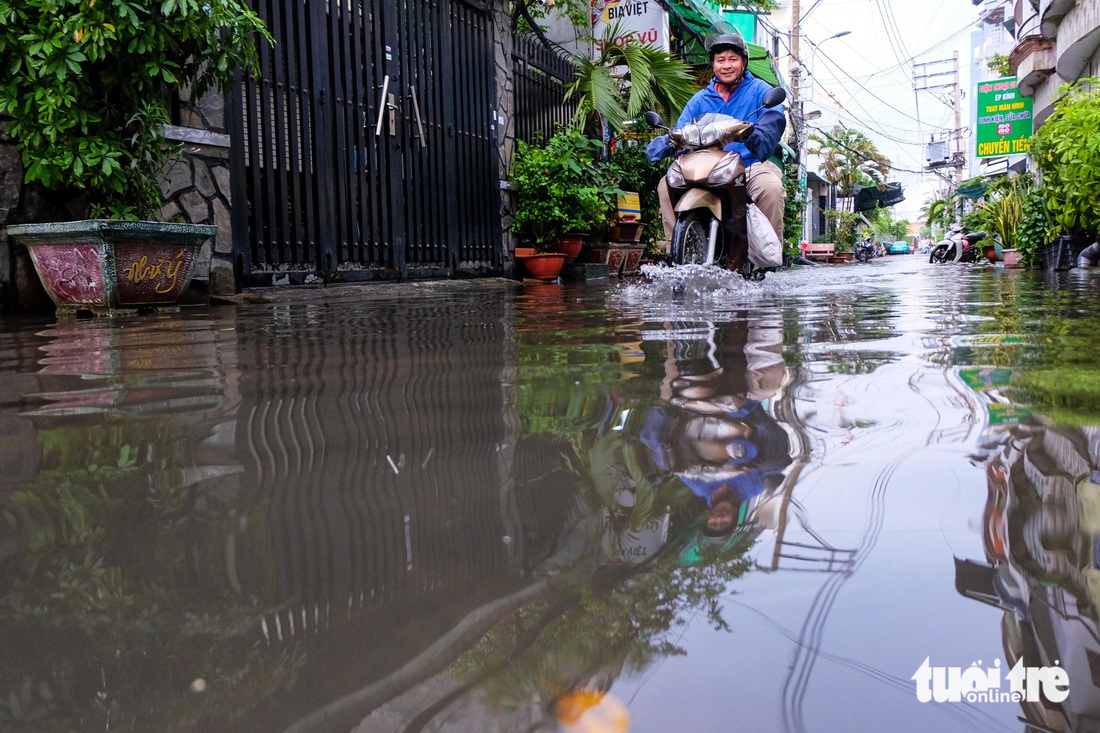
[{"x": 712, "y": 430}]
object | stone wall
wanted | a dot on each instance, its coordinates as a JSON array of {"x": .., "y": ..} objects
[
  {"x": 196, "y": 190},
  {"x": 505, "y": 123}
]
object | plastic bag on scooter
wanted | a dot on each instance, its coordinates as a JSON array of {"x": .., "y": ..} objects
[{"x": 765, "y": 249}]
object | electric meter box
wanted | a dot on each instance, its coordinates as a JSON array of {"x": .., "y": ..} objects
[{"x": 936, "y": 153}]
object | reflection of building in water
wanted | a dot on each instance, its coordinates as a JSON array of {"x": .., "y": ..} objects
[{"x": 1041, "y": 534}]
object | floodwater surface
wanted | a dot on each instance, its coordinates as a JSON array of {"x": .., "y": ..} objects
[{"x": 849, "y": 498}]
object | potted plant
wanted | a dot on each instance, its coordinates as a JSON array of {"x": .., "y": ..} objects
[
  {"x": 844, "y": 234},
  {"x": 1000, "y": 213},
  {"x": 1037, "y": 229},
  {"x": 85, "y": 98},
  {"x": 1070, "y": 165},
  {"x": 561, "y": 188}
]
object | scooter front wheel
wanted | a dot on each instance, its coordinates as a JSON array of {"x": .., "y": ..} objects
[
  {"x": 691, "y": 237},
  {"x": 939, "y": 254}
]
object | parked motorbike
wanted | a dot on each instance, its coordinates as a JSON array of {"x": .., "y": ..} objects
[
  {"x": 958, "y": 246},
  {"x": 707, "y": 187},
  {"x": 866, "y": 250}
]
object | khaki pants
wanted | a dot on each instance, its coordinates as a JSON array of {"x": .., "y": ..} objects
[{"x": 764, "y": 182}]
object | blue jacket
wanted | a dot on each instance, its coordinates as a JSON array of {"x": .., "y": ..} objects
[{"x": 744, "y": 104}]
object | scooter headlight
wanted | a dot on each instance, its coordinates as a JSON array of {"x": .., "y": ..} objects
[
  {"x": 726, "y": 170},
  {"x": 675, "y": 176}
]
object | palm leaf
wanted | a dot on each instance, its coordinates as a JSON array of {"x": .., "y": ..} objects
[{"x": 597, "y": 92}]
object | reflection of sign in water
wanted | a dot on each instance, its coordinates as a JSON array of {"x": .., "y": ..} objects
[
  {"x": 1004, "y": 119},
  {"x": 631, "y": 545},
  {"x": 982, "y": 378},
  {"x": 644, "y": 20},
  {"x": 163, "y": 274},
  {"x": 1002, "y": 414}
]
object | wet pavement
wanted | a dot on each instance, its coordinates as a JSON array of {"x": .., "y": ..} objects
[{"x": 860, "y": 497}]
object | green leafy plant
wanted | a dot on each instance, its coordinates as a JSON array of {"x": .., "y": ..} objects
[
  {"x": 1037, "y": 227},
  {"x": 1067, "y": 150},
  {"x": 627, "y": 78},
  {"x": 560, "y": 187},
  {"x": 1002, "y": 208},
  {"x": 844, "y": 228},
  {"x": 86, "y": 86},
  {"x": 849, "y": 159},
  {"x": 998, "y": 64},
  {"x": 794, "y": 208}
]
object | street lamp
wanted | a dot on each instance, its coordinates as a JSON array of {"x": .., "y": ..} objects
[
  {"x": 813, "y": 52},
  {"x": 803, "y": 169}
]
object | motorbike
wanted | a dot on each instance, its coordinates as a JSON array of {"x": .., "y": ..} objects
[
  {"x": 958, "y": 246},
  {"x": 866, "y": 250},
  {"x": 707, "y": 186}
]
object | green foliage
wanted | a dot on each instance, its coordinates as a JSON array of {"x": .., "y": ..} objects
[
  {"x": 635, "y": 173},
  {"x": 128, "y": 616},
  {"x": 560, "y": 187},
  {"x": 940, "y": 211},
  {"x": 850, "y": 159},
  {"x": 624, "y": 81},
  {"x": 794, "y": 207},
  {"x": 1067, "y": 150},
  {"x": 844, "y": 225},
  {"x": 1001, "y": 211},
  {"x": 884, "y": 224},
  {"x": 87, "y": 83},
  {"x": 998, "y": 64},
  {"x": 1037, "y": 226},
  {"x": 575, "y": 12}
]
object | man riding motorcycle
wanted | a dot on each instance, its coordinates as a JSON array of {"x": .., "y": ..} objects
[{"x": 734, "y": 91}]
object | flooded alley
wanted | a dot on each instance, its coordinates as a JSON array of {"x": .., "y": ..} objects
[{"x": 860, "y": 497}]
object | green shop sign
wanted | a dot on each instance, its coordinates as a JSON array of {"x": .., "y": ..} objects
[{"x": 1004, "y": 119}]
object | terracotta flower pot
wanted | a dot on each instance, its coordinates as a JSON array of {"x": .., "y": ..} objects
[
  {"x": 569, "y": 245},
  {"x": 522, "y": 252},
  {"x": 544, "y": 266}
]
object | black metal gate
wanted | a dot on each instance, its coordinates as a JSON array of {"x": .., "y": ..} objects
[{"x": 366, "y": 149}]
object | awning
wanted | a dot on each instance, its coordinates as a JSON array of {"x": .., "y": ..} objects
[
  {"x": 972, "y": 190},
  {"x": 692, "y": 19},
  {"x": 868, "y": 198}
]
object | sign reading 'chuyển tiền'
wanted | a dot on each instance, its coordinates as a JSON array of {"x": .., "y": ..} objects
[{"x": 1004, "y": 122}]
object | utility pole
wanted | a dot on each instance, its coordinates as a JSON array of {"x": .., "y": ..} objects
[
  {"x": 796, "y": 113},
  {"x": 796, "y": 72},
  {"x": 959, "y": 158},
  {"x": 932, "y": 79}
]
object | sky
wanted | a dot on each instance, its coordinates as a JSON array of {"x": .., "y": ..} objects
[{"x": 871, "y": 72}]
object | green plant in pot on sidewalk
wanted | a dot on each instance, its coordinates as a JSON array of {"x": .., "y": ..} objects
[
  {"x": 86, "y": 88},
  {"x": 561, "y": 187},
  {"x": 85, "y": 93},
  {"x": 1067, "y": 153},
  {"x": 1036, "y": 230}
]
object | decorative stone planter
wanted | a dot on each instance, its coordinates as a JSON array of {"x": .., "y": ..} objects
[
  {"x": 633, "y": 260},
  {"x": 611, "y": 255},
  {"x": 105, "y": 266}
]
